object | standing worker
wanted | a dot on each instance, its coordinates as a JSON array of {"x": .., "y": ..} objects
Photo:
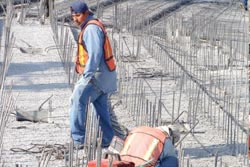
[{"x": 95, "y": 63}]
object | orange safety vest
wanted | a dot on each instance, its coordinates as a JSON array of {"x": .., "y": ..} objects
[
  {"x": 143, "y": 144},
  {"x": 115, "y": 163},
  {"x": 82, "y": 53}
]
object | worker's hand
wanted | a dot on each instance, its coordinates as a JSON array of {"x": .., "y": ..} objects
[
  {"x": 174, "y": 133},
  {"x": 76, "y": 60}
]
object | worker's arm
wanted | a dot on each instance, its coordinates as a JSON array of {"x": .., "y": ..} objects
[{"x": 168, "y": 149}]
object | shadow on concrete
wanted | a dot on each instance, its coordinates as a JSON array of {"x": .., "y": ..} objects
[
  {"x": 30, "y": 67},
  {"x": 221, "y": 149},
  {"x": 1, "y": 27},
  {"x": 41, "y": 87}
]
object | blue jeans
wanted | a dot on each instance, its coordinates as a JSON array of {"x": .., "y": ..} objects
[
  {"x": 83, "y": 91},
  {"x": 245, "y": 3},
  {"x": 168, "y": 157}
]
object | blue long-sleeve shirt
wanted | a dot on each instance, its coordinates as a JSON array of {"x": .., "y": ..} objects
[{"x": 96, "y": 70}]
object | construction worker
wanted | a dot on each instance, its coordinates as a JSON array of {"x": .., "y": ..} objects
[
  {"x": 152, "y": 146},
  {"x": 98, "y": 75}
]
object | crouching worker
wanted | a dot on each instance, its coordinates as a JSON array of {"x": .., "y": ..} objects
[
  {"x": 151, "y": 146},
  {"x": 145, "y": 147}
]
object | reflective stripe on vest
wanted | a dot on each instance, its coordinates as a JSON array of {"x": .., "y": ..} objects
[
  {"x": 82, "y": 54},
  {"x": 143, "y": 144}
]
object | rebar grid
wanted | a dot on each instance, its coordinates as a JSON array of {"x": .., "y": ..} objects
[
  {"x": 204, "y": 61},
  {"x": 65, "y": 46},
  {"x": 211, "y": 57},
  {"x": 92, "y": 144},
  {"x": 7, "y": 101}
]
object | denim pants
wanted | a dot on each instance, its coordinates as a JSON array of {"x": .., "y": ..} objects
[
  {"x": 83, "y": 92},
  {"x": 168, "y": 157},
  {"x": 245, "y": 3}
]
